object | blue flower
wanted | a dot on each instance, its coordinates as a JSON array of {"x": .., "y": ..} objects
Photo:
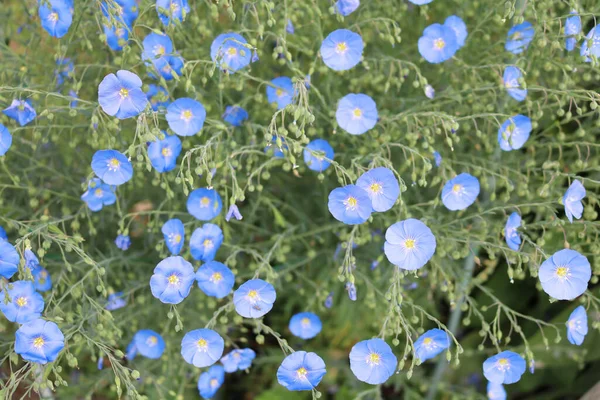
[
  {"x": 346, "y": 7},
  {"x": 281, "y": 92},
  {"x": 329, "y": 300},
  {"x": 511, "y": 83},
  {"x": 100, "y": 363},
  {"x": 126, "y": 11},
  {"x": 431, "y": 343},
  {"x": 156, "y": 47},
  {"x": 276, "y": 148},
  {"x": 350, "y": 204},
  {"x": 186, "y": 116},
  {"x": 202, "y": 347},
  {"x": 420, "y": 2},
  {"x": 512, "y": 237},
  {"x": 301, "y": 371},
  {"x": 163, "y": 153},
  {"x": 429, "y": 92},
  {"x": 318, "y": 155},
  {"x": 204, "y": 204},
  {"x": 116, "y": 37},
  {"x": 372, "y": 361},
  {"x": 131, "y": 351},
  {"x": 157, "y": 96},
  {"x": 382, "y": 187},
  {"x": 409, "y": 244},
  {"x": 438, "y": 43},
  {"x": 205, "y": 242},
  {"x": 56, "y": 16},
  {"x": 356, "y": 113},
  {"x": 460, "y": 192},
  {"x": 235, "y": 115},
  {"x": 5, "y": 140},
  {"x": 229, "y": 52},
  {"x": 115, "y": 301},
  {"x": 9, "y": 260},
  {"x": 172, "y": 10},
  {"x": 74, "y": 101},
  {"x": 112, "y": 167},
  {"x": 289, "y": 27},
  {"x": 506, "y": 368},
  {"x": 519, "y": 37},
  {"x": 98, "y": 195},
  {"x": 437, "y": 158},
  {"x": 342, "y": 49},
  {"x": 238, "y": 360},
  {"x": 233, "y": 212},
  {"x": 25, "y": 304},
  {"x": 577, "y": 326},
  {"x": 172, "y": 280},
  {"x": 565, "y": 275},
  {"x": 168, "y": 67},
  {"x": 64, "y": 71},
  {"x": 123, "y": 242},
  {"x": 21, "y": 111},
  {"x": 514, "y": 132},
  {"x": 39, "y": 341},
  {"x": 210, "y": 381},
  {"x": 572, "y": 29},
  {"x": 305, "y": 325},
  {"x": 572, "y": 200},
  {"x": 459, "y": 27},
  {"x": 121, "y": 95},
  {"x": 351, "y": 289},
  {"x": 174, "y": 234},
  {"x": 148, "y": 343},
  {"x": 254, "y": 298},
  {"x": 215, "y": 279},
  {"x": 591, "y": 44},
  {"x": 495, "y": 391},
  {"x": 3, "y": 235}
]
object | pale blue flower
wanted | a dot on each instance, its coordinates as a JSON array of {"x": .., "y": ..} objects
[
  {"x": 409, "y": 244},
  {"x": 512, "y": 237},
  {"x": 301, "y": 371},
  {"x": 511, "y": 82},
  {"x": 431, "y": 343},
  {"x": 577, "y": 326},
  {"x": 565, "y": 275},
  {"x": 460, "y": 192},
  {"x": 372, "y": 361},
  {"x": 572, "y": 200},
  {"x": 356, "y": 113},
  {"x": 342, "y": 49},
  {"x": 506, "y": 368}
]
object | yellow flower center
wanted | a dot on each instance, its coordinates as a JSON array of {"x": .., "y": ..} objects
[
  {"x": 216, "y": 277},
  {"x": 173, "y": 279},
  {"x": 208, "y": 243},
  {"x": 341, "y": 47},
  {"x": 253, "y": 294},
  {"x": 301, "y": 372},
  {"x": 159, "y": 50},
  {"x": 174, "y": 7},
  {"x": 152, "y": 340},
  {"x": 562, "y": 272},
  {"x": 503, "y": 362},
  {"x": 202, "y": 344},
  {"x": 186, "y": 115},
  {"x": 374, "y": 358},
  {"x": 351, "y": 202},
  {"x": 410, "y": 244},
  {"x": 98, "y": 192},
  {"x": 176, "y": 238},
  {"x": 456, "y": 188},
  {"x": 232, "y": 51},
  {"x": 376, "y": 188},
  {"x": 114, "y": 164},
  {"x": 166, "y": 152},
  {"x": 214, "y": 383},
  {"x": 439, "y": 44},
  {"x": 305, "y": 322},
  {"x": 38, "y": 342},
  {"x": 123, "y": 93},
  {"x": 21, "y": 301},
  {"x": 53, "y": 17},
  {"x": 279, "y": 92},
  {"x": 517, "y": 35},
  {"x": 357, "y": 112},
  {"x": 204, "y": 202},
  {"x": 427, "y": 341}
]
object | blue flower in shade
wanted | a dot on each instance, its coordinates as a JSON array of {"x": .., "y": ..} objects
[
  {"x": 9, "y": 260},
  {"x": 172, "y": 280},
  {"x": 186, "y": 116},
  {"x": 431, "y": 343},
  {"x": 5, "y": 140},
  {"x": 572, "y": 200},
  {"x": 56, "y": 16},
  {"x": 275, "y": 148},
  {"x": 438, "y": 43},
  {"x": 351, "y": 289},
  {"x": 305, "y": 325},
  {"x": 301, "y": 371},
  {"x": 174, "y": 234},
  {"x": 591, "y": 45},
  {"x": 329, "y": 300},
  {"x": 495, "y": 391},
  {"x": 74, "y": 101},
  {"x": 172, "y": 10},
  {"x": 420, "y": 2},
  {"x": 514, "y": 132},
  {"x": 204, "y": 204},
  {"x": 168, "y": 67},
  {"x": 512, "y": 237},
  {"x": 229, "y": 52},
  {"x": 39, "y": 341},
  {"x": 21, "y": 111},
  {"x": 31, "y": 260},
  {"x": 346, "y": 7},
  {"x": 281, "y": 92},
  {"x": 116, "y": 37},
  {"x": 459, "y": 27},
  {"x": 125, "y": 11},
  {"x": 409, "y": 244},
  {"x": 65, "y": 68},
  {"x": 156, "y": 46},
  {"x": 460, "y": 192},
  {"x": 350, "y": 204},
  {"x": 100, "y": 363},
  {"x": 356, "y": 113},
  {"x": 289, "y": 27},
  {"x": 202, "y": 347},
  {"x": 437, "y": 157},
  {"x": 98, "y": 195},
  {"x": 506, "y": 368},
  {"x": 342, "y": 49},
  {"x": 519, "y": 37},
  {"x": 235, "y": 115},
  {"x": 577, "y": 326},
  {"x": 24, "y": 303},
  {"x": 123, "y": 242},
  {"x": 234, "y": 211},
  {"x": 41, "y": 278},
  {"x": 511, "y": 83},
  {"x": 238, "y": 360},
  {"x": 157, "y": 96},
  {"x": 163, "y": 153},
  {"x": 215, "y": 279},
  {"x": 372, "y": 361},
  {"x": 565, "y": 275},
  {"x": 205, "y": 242},
  {"x": 121, "y": 95},
  {"x": 572, "y": 29},
  {"x": 148, "y": 343},
  {"x": 210, "y": 381},
  {"x": 318, "y": 155},
  {"x": 115, "y": 301},
  {"x": 382, "y": 187},
  {"x": 112, "y": 167},
  {"x": 254, "y": 298},
  {"x": 429, "y": 92}
]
